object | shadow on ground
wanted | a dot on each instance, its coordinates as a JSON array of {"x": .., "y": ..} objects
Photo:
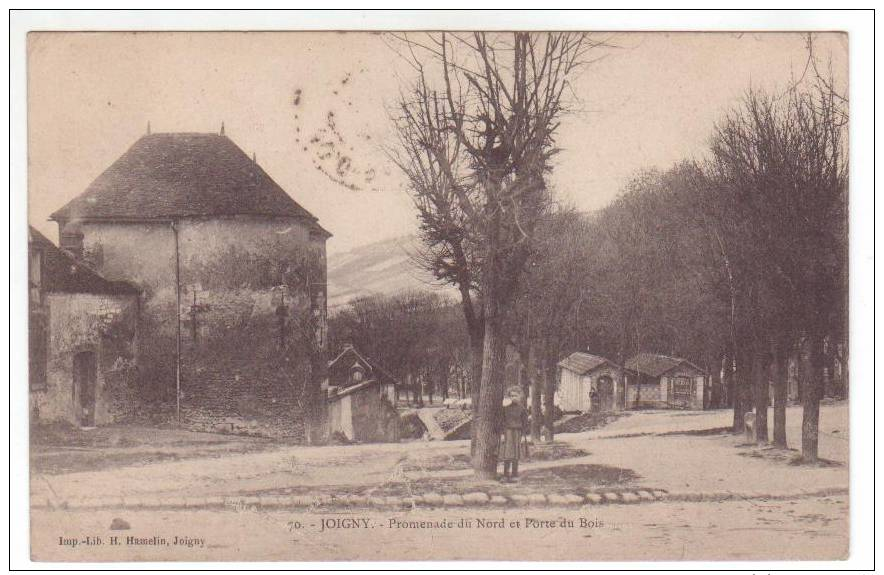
[
  {"x": 700, "y": 432},
  {"x": 587, "y": 422},
  {"x": 540, "y": 452},
  {"x": 789, "y": 456},
  {"x": 58, "y": 448}
]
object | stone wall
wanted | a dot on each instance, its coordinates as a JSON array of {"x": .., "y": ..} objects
[
  {"x": 248, "y": 286},
  {"x": 104, "y": 325}
]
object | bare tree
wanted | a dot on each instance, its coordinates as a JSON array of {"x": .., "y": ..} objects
[
  {"x": 781, "y": 168},
  {"x": 477, "y": 132},
  {"x": 548, "y": 321}
]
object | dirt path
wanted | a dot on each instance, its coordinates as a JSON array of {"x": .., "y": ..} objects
[{"x": 643, "y": 457}]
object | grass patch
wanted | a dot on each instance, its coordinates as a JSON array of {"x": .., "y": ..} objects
[
  {"x": 701, "y": 432},
  {"x": 587, "y": 422},
  {"x": 555, "y": 451},
  {"x": 450, "y": 462},
  {"x": 820, "y": 462},
  {"x": 60, "y": 448},
  {"x": 579, "y": 478},
  {"x": 790, "y": 456}
]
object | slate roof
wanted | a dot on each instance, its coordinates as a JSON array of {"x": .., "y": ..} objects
[
  {"x": 61, "y": 273},
  {"x": 182, "y": 174},
  {"x": 580, "y": 362},
  {"x": 655, "y": 365}
]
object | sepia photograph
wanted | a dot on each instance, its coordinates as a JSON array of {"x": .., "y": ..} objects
[{"x": 442, "y": 295}]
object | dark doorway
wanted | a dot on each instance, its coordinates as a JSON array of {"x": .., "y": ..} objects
[
  {"x": 606, "y": 393},
  {"x": 84, "y": 388}
]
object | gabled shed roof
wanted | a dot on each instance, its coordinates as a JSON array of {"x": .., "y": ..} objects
[
  {"x": 377, "y": 371},
  {"x": 580, "y": 362},
  {"x": 655, "y": 365}
]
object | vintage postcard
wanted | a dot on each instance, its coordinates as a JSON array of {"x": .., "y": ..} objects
[{"x": 463, "y": 295}]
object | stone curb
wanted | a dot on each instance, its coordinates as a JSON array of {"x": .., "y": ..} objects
[{"x": 427, "y": 500}]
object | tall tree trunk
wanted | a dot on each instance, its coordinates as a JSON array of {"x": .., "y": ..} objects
[
  {"x": 490, "y": 394},
  {"x": 762, "y": 391},
  {"x": 532, "y": 383},
  {"x": 828, "y": 371},
  {"x": 486, "y": 417},
  {"x": 780, "y": 380},
  {"x": 811, "y": 393},
  {"x": 524, "y": 381},
  {"x": 726, "y": 382},
  {"x": 739, "y": 382},
  {"x": 476, "y": 346},
  {"x": 536, "y": 400},
  {"x": 549, "y": 400},
  {"x": 409, "y": 382},
  {"x": 716, "y": 392},
  {"x": 444, "y": 381}
]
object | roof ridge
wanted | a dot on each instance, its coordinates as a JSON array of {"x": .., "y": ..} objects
[{"x": 182, "y": 174}]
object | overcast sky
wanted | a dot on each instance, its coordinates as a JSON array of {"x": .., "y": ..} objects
[{"x": 649, "y": 103}]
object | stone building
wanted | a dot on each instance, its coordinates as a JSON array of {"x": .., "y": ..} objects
[
  {"x": 82, "y": 340},
  {"x": 232, "y": 272},
  {"x": 660, "y": 381}
]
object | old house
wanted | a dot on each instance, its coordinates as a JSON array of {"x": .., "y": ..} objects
[
  {"x": 361, "y": 399},
  {"x": 232, "y": 272},
  {"x": 590, "y": 383},
  {"x": 660, "y": 381},
  {"x": 82, "y": 339}
]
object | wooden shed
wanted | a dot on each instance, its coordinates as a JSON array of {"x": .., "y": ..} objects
[
  {"x": 361, "y": 399},
  {"x": 661, "y": 381},
  {"x": 340, "y": 372},
  {"x": 589, "y": 383},
  {"x": 361, "y": 413}
]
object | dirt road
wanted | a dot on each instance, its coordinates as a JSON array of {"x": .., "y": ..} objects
[{"x": 674, "y": 451}]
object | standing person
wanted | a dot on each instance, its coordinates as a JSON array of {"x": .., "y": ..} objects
[{"x": 515, "y": 422}]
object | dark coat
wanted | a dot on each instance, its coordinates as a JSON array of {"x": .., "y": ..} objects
[{"x": 515, "y": 417}]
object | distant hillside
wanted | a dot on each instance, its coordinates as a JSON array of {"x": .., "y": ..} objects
[{"x": 383, "y": 267}]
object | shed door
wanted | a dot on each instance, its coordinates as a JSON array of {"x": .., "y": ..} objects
[
  {"x": 84, "y": 388},
  {"x": 681, "y": 390},
  {"x": 606, "y": 393}
]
